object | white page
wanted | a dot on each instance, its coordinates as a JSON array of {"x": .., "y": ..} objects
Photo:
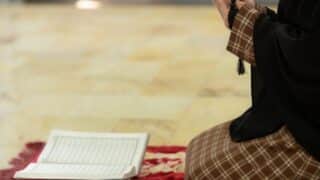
[
  {"x": 68, "y": 153},
  {"x": 72, "y": 171},
  {"x": 106, "y": 148},
  {"x": 92, "y": 150}
]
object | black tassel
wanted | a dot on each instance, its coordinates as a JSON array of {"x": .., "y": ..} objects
[{"x": 241, "y": 68}]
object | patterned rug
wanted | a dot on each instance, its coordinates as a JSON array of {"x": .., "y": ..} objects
[{"x": 160, "y": 163}]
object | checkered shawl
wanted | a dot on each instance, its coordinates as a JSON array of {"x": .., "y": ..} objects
[
  {"x": 241, "y": 37},
  {"x": 213, "y": 155}
]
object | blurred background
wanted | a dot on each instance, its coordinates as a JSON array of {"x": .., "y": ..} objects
[
  {"x": 194, "y": 2},
  {"x": 158, "y": 66}
]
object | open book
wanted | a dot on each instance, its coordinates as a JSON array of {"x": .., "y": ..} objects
[{"x": 78, "y": 155}]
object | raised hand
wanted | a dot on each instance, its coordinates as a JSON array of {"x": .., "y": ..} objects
[
  {"x": 240, "y": 3},
  {"x": 223, "y": 7}
]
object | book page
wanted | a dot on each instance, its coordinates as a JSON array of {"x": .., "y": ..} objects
[
  {"x": 92, "y": 150},
  {"x": 95, "y": 148},
  {"x": 72, "y": 171},
  {"x": 77, "y": 155}
]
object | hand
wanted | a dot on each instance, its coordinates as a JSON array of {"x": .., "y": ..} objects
[
  {"x": 223, "y": 7},
  {"x": 240, "y": 3}
]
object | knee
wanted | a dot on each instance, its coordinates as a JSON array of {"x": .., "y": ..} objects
[
  {"x": 190, "y": 164},
  {"x": 203, "y": 152},
  {"x": 196, "y": 157}
]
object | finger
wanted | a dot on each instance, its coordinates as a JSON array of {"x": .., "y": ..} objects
[
  {"x": 224, "y": 14},
  {"x": 223, "y": 11},
  {"x": 223, "y": 8},
  {"x": 239, "y": 4},
  {"x": 222, "y": 2},
  {"x": 219, "y": 3}
]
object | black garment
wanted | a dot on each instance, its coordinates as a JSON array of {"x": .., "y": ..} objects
[
  {"x": 232, "y": 13},
  {"x": 286, "y": 79}
]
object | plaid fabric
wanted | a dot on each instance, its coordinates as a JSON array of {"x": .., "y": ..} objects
[
  {"x": 241, "y": 38},
  {"x": 213, "y": 155}
]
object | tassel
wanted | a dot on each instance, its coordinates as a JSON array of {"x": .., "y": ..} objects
[{"x": 241, "y": 68}]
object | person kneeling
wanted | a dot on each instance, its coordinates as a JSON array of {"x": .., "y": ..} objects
[{"x": 278, "y": 136}]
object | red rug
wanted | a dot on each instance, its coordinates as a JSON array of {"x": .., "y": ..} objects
[{"x": 160, "y": 163}]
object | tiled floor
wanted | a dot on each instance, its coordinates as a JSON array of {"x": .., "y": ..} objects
[{"x": 160, "y": 69}]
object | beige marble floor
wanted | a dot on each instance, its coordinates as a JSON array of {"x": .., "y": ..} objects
[{"x": 160, "y": 69}]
